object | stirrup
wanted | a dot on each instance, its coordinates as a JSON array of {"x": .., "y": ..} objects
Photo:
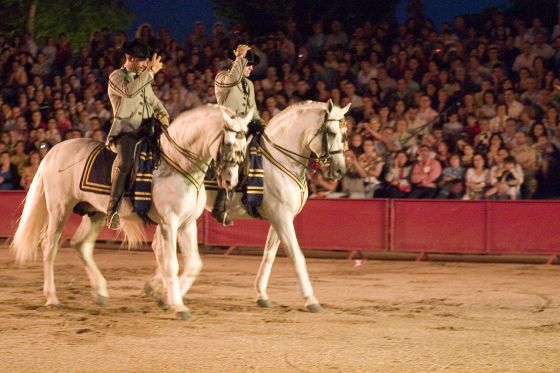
[
  {"x": 226, "y": 221},
  {"x": 222, "y": 217},
  {"x": 113, "y": 221}
]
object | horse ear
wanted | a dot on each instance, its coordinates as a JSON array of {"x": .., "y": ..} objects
[
  {"x": 330, "y": 105},
  {"x": 247, "y": 118},
  {"x": 346, "y": 108},
  {"x": 226, "y": 116}
]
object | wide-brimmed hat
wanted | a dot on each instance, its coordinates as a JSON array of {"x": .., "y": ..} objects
[
  {"x": 138, "y": 49},
  {"x": 252, "y": 58}
]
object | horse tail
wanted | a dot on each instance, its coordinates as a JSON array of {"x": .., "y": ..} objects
[
  {"x": 133, "y": 231},
  {"x": 33, "y": 221}
]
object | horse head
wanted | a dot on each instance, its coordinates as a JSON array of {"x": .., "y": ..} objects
[
  {"x": 232, "y": 149},
  {"x": 332, "y": 142}
]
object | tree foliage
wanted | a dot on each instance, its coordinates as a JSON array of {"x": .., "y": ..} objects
[
  {"x": 265, "y": 16},
  {"x": 77, "y": 18}
]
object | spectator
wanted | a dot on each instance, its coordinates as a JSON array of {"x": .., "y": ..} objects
[
  {"x": 30, "y": 170},
  {"x": 397, "y": 178},
  {"x": 505, "y": 180},
  {"x": 476, "y": 179},
  {"x": 451, "y": 183},
  {"x": 526, "y": 156},
  {"x": 9, "y": 176},
  {"x": 19, "y": 156},
  {"x": 424, "y": 175},
  {"x": 373, "y": 165},
  {"x": 354, "y": 181}
]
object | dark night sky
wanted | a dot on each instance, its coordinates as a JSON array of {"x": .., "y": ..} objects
[{"x": 179, "y": 15}]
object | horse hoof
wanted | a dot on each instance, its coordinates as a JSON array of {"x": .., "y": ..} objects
[
  {"x": 161, "y": 303},
  {"x": 148, "y": 289},
  {"x": 55, "y": 305},
  {"x": 101, "y": 300},
  {"x": 264, "y": 303},
  {"x": 183, "y": 315},
  {"x": 314, "y": 308}
]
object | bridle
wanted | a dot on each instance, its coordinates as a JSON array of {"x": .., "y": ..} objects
[
  {"x": 325, "y": 159},
  {"x": 221, "y": 161}
]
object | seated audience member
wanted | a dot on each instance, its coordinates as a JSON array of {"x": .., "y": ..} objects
[
  {"x": 353, "y": 182},
  {"x": 373, "y": 165},
  {"x": 424, "y": 175},
  {"x": 320, "y": 187},
  {"x": 453, "y": 128},
  {"x": 30, "y": 170},
  {"x": 397, "y": 178},
  {"x": 19, "y": 157},
  {"x": 451, "y": 183},
  {"x": 506, "y": 180},
  {"x": 526, "y": 156},
  {"x": 476, "y": 179},
  {"x": 9, "y": 177}
]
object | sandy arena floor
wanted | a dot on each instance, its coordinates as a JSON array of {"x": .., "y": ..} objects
[{"x": 385, "y": 316}]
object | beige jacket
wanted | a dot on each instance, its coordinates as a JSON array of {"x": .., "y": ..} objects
[
  {"x": 231, "y": 93},
  {"x": 133, "y": 100}
]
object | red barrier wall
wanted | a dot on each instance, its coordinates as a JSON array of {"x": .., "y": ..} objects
[
  {"x": 521, "y": 227},
  {"x": 341, "y": 224},
  {"x": 438, "y": 226},
  {"x": 524, "y": 227},
  {"x": 10, "y": 211}
]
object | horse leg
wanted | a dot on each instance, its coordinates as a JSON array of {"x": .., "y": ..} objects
[
  {"x": 154, "y": 286},
  {"x": 57, "y": 218},
  {"x": 287, "y": 234},
  {"x": 170, "y": 269},
  {"x": 85, "y": 238},
  {"x": 263, "y": 275},
  {"x": 188, "y": 243}
]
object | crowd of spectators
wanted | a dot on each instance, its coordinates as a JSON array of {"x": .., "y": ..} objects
[{"x": 463, "y": 112}]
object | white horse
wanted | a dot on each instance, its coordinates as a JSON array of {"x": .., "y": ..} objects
[
  {"x": 192, "y": 141},
  {"x": 288, "y": 143}
]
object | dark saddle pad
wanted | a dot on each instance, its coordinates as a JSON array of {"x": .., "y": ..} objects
[{"x": 96, "y": 176}]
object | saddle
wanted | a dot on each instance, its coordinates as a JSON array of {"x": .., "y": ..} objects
[{"x": 96, "y": 175}]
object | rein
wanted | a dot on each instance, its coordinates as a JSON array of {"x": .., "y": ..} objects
[
  {"x": 325, "y": 158},
  {"x": 196, "y": 160}
]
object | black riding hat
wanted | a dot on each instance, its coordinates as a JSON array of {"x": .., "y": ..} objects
[
  {"x": 138, "y": 49},
  {"x": 252, "y": 58}
]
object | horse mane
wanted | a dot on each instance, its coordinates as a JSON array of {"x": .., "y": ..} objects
[{"x": 291, "y": 113}]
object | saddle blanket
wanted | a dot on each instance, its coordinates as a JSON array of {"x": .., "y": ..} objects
[{"x": 96, "y": 176}]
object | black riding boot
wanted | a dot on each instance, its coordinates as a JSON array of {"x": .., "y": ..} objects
[
  {"x": 220, "y": 209},
  {"x": 117, "y": 191}
]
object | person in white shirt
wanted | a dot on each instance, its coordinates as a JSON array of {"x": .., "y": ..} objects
[
  {"x": 542, "y": 49},
  {"x": 426, "y": 112},
  {"x": 514, "y": 107},
  {"x": 524, "y": 59}
]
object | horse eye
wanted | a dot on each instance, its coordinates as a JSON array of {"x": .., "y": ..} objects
[{"x": 239, "y": 135}]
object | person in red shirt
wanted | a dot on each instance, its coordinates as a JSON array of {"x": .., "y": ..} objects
[{"x": 424, "y": 175}]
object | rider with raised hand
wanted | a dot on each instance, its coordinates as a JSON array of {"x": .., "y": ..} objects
[
  {"x": 133, "y": 102},
  {"x": 235, "y": 91}
]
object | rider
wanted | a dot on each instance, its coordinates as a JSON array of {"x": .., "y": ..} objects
[
  {"x": 235, "y": 91},
  {"x": 133, "y": 101}
]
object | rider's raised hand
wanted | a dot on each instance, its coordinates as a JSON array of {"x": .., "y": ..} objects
[
  {"x": 241, "y": 50},
  {"x": 155, "y": 64}
]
